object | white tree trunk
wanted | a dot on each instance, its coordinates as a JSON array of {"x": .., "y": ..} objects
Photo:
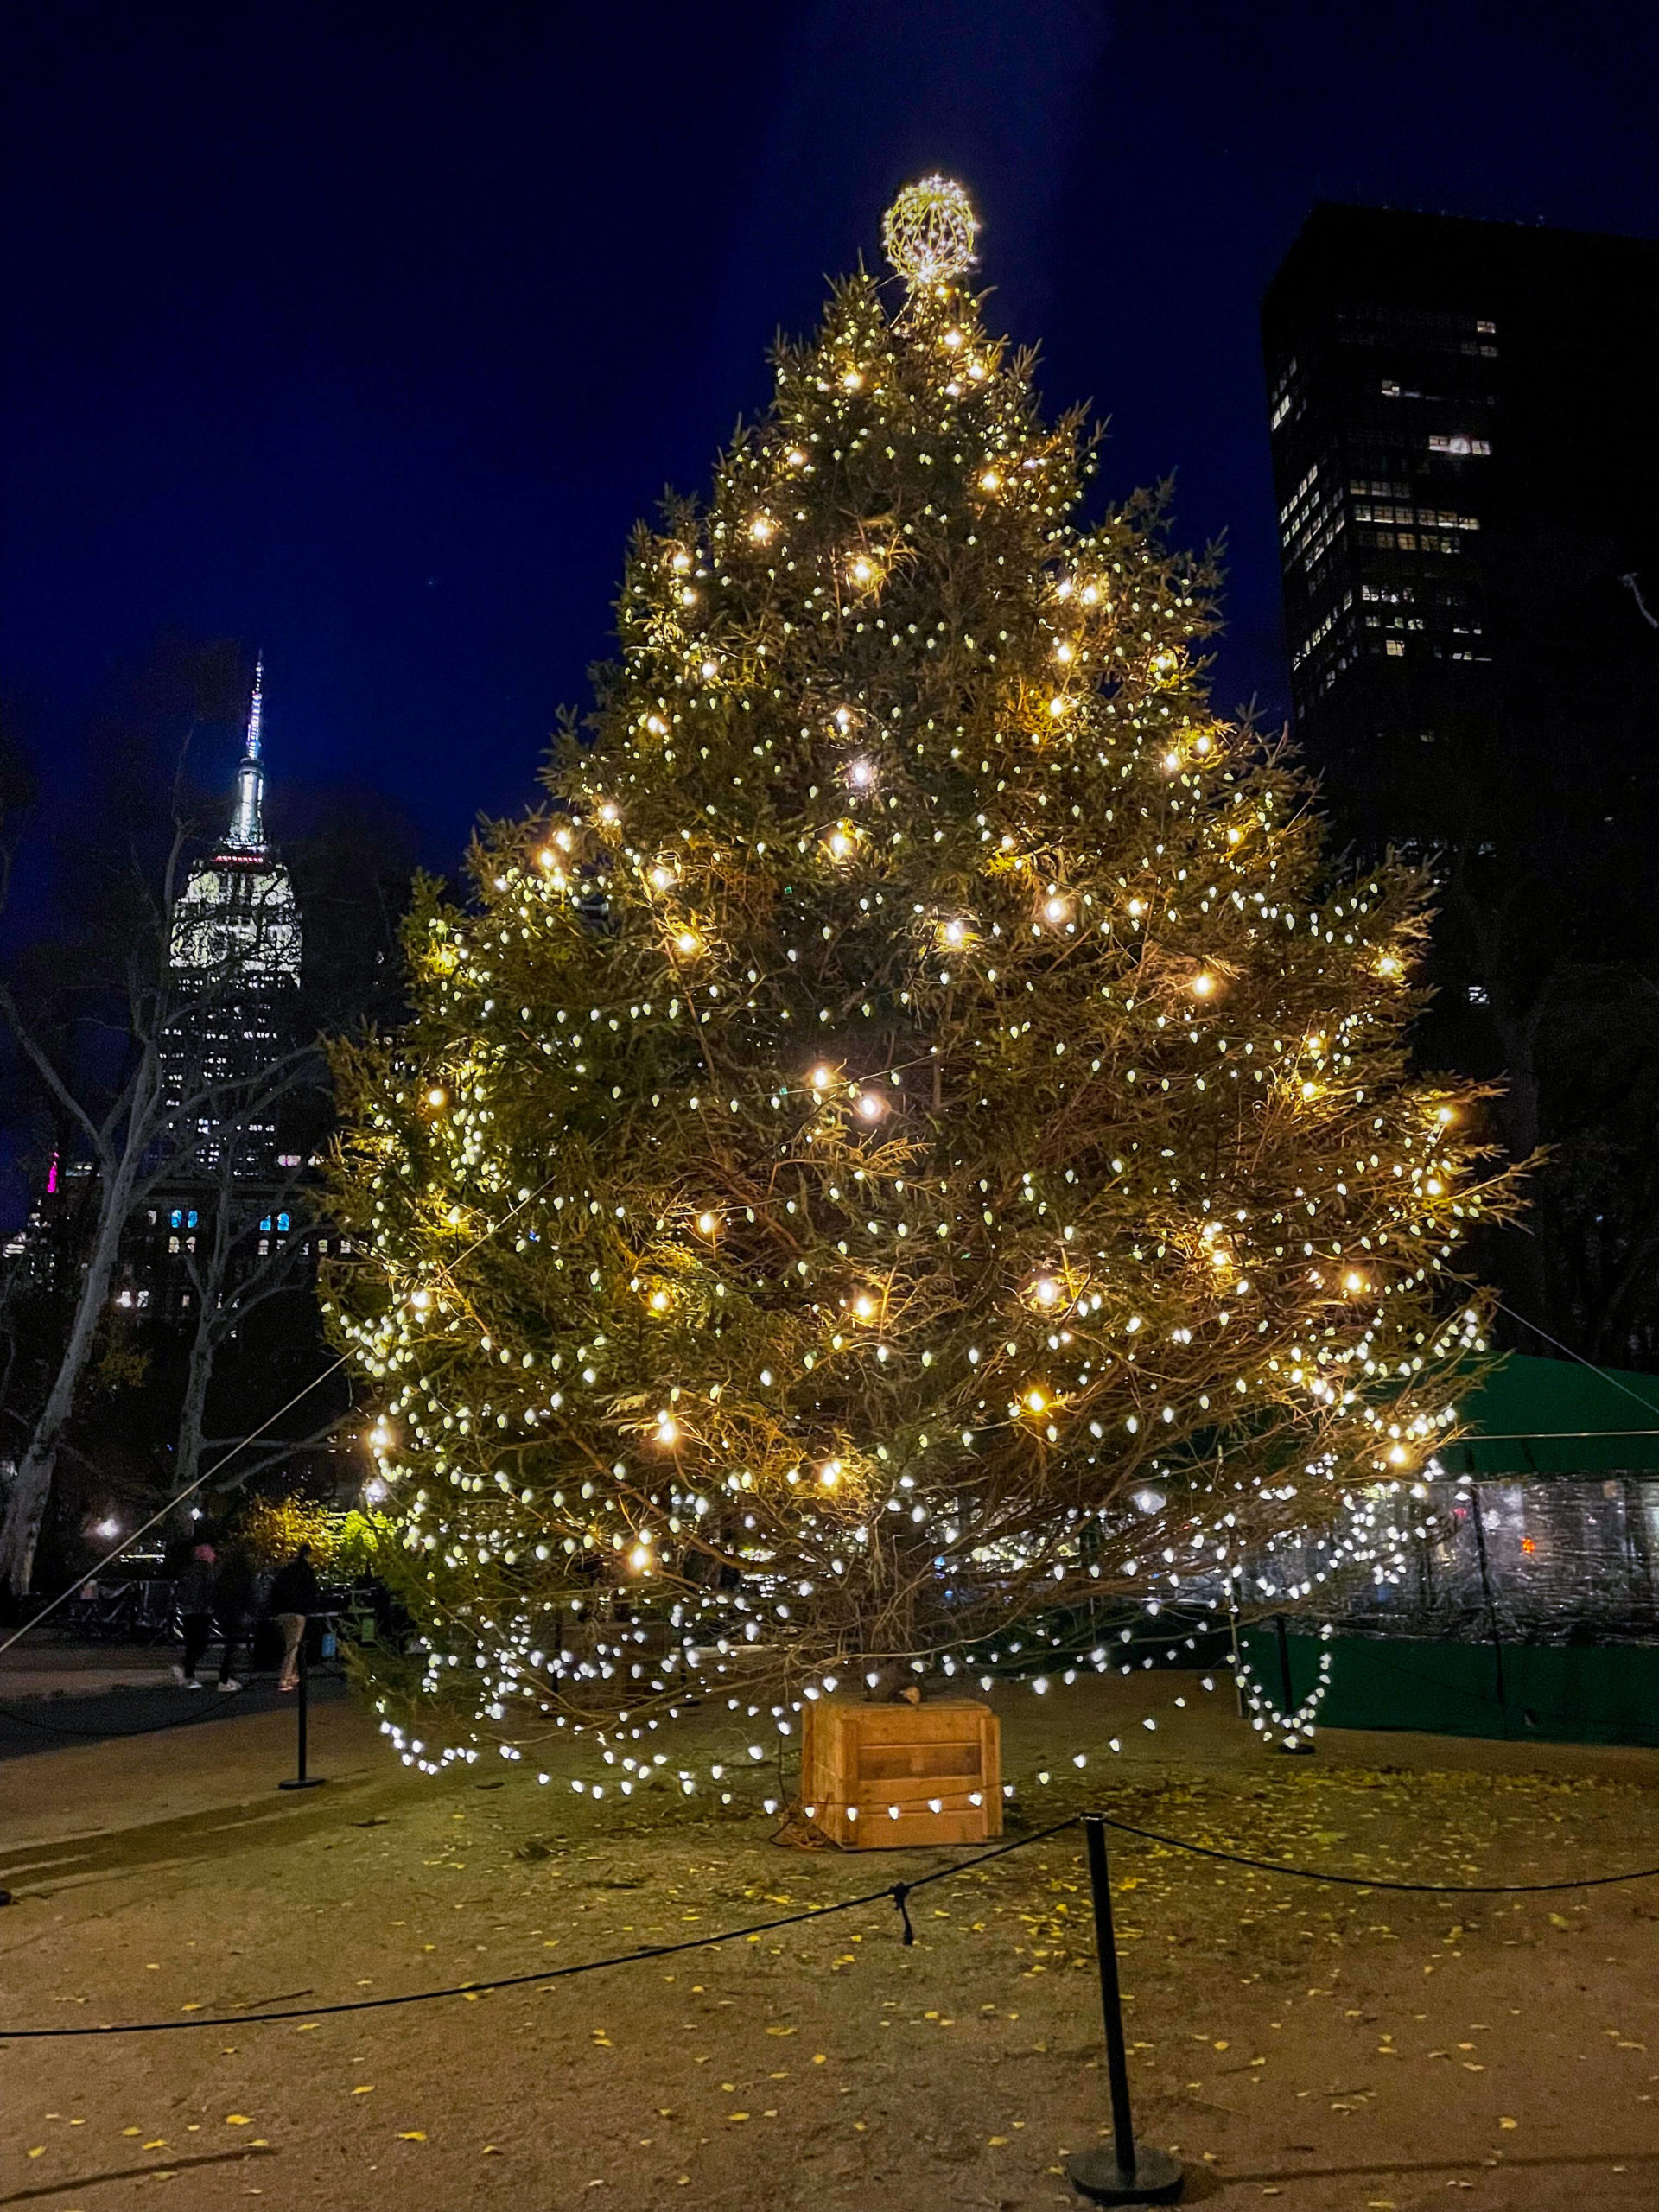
[{"x": 26, "y": 1505}]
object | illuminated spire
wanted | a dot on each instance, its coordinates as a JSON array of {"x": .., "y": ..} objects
[{"x": 247, "y": 822}]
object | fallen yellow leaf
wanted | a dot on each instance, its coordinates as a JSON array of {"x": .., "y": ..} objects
[
  {"x": 364, "y": 2089},
  {"x": 1508, "y": 2123},
  {"x": 412, "y": 2135},
  {"x": 231, "y": 2120}
]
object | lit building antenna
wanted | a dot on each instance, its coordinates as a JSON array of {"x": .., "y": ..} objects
[{"x": 247, "y": 823}]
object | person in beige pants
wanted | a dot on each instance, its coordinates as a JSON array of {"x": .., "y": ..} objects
[{"x": 294, "y": 1597}]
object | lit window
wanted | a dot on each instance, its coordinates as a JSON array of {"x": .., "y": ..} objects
[
  {"x": 1394, "y": 648},
  {"x": 282, "y": 1222}
]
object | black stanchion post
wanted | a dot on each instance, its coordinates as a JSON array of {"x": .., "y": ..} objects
[
  {"x": 300, "y": 1779},
  {"x": 1129, "y": 2173}
]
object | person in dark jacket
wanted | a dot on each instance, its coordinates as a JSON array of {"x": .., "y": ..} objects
[
  {"x": 194, "y": 1599},
  {"x": 234, "y": 1596},
  {"x": 294, "y": 1594}
]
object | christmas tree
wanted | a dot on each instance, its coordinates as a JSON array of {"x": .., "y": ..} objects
[{"x": 909, "y": 1135}]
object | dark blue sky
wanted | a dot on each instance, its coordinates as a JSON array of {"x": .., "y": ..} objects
[{"x": 365, "y": 333}]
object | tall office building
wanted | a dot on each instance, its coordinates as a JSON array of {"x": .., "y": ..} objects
[
  {"x": 1466, "y": 461},
  {"x": 1465, "y": 456}
]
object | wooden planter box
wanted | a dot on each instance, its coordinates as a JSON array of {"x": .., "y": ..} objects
[{"x": 873, "y": 1757}]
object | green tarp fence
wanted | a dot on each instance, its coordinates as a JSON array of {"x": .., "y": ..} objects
[
  {"x": 1587, "y": 1694},
  {"x": 1557, "y": 1416}
]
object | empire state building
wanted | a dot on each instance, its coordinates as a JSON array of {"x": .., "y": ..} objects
[{"x": 233, "y": 963}]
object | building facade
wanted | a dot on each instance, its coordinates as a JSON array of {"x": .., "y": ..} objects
[
  {"x": 1466, "y": 467},
  {"x": 1466, "y": 459}
]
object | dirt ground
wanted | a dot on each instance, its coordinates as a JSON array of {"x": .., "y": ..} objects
[{"x": 1327, "y": 2047}]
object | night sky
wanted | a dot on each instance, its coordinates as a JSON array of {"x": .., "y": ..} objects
[{"x": 363, "y": 333}]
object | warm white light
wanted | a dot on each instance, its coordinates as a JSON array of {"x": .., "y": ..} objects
[
  {"x": 640, "y": 1560},
  {"x": 830, "y": 1473},
  {"x": 686, "y": 942},
  {"x": 109, "y": 1529},
  {"x": 668, "y": 1429},
  {"x": 1036, "y": 1402},
  {"x": 841, "y": 841},
  {"x": 1045, "y": 1291},
  {"x": 708, "y": 1224},
  {"x": 658, "y": 1300},
  {"x": 420, "y": 1300},
  {"x": 374, "y": 1490},
  {"x": 662, "y": 876},
  {"x": 821, "y": 1077},
  {"x": 864, "y": 1306},
  {"x": 434, "y": 1096},
  {"x": 861, "y": 774},
  {"x": 761, "y": 529},
  {"x": 1354, "y": 1280},
  {"x": 872, "y": 1105},
  {"x": 1056, "y": 911},
  {"x": 990, "y": 481},
  {"x": 1201, "y": 985}
]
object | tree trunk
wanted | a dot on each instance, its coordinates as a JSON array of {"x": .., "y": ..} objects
[
  {"x": 26, "y": 1507},
  {"x": 208, "y": 1283},
  {"x": 187, "y": 1458}
]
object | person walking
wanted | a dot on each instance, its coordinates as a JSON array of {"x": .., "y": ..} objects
[
  {"x": 195, "y": 1599},
  {"x": 294, "y": 1595},
  {"x": 233, "y": 1601}
]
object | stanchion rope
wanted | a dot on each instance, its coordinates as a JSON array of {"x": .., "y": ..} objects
[
  {"x": 1378, "y": 1881},
  {"x": 898, "y": 1892}
]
